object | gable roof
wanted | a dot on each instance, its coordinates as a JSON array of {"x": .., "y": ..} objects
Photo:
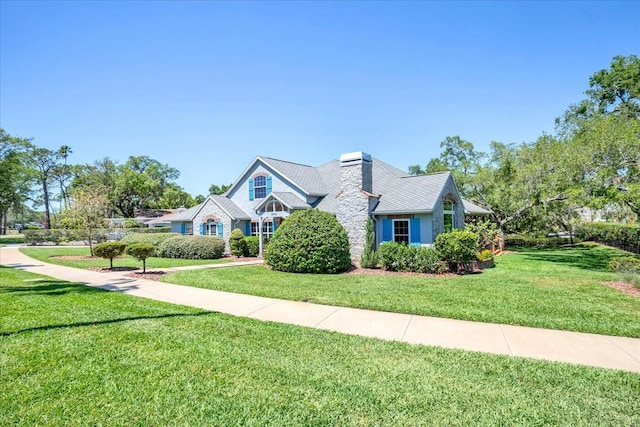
[
  {"x": 287, "y": 198},
  {"x": 230, "y": 208},
  {"x": 409, "y": 193},
  {"x": 304, "y": 177}
]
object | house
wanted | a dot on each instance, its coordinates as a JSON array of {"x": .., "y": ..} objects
[{"x": 404, "y": 208}]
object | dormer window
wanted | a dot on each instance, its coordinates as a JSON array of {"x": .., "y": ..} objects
[{"x": 260, "y": 187}]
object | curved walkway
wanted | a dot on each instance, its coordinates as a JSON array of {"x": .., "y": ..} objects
[{"x": 555, "y": 345}]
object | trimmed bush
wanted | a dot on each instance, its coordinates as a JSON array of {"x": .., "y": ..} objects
[
  {"x": 626, "y": 237},
  {"x": 141, "y": 251},
  {"x": 154, "y": 239},
  {"x": 130, "y": 223},
  {"x": 109, "y": 250},
  {"x": 456, "y": 247},
  {"x": 400, "y": 257},
  {"x": 192, "y": 247},
  {"x": 625, "y": 265},
  {"x": 252, "y": 244},
  {"x": 484, "y": 255},
  {"x": 309, "y": 241},
  {"x": 60, "y": 235},
  {"x": 237, "y": 243},
  {"x": 522, "y": 241}
]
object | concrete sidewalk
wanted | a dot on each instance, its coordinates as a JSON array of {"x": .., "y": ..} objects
[{"x": 562, "y": 346}]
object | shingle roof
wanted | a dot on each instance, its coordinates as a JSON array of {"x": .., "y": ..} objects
[
  {"x": 225, "y": 204},
  {"x": 291, "y": 200},
  {"x": 304, "y": 177},
  {"x": 473, "y": 209}
]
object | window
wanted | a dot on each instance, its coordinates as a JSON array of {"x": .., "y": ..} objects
[
  {"x": 274, "y": 206},
  {"x": 401, "y": 231},
  {"x": 260, "y": 187},
  {"x": 267, "y": 228},
  {"x": 449, "y": 216},
  {"x": 211, "y": 229},
  {"x": 188, "y": 228}
]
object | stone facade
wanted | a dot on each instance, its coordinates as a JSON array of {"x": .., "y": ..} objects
[
  {"x": 449, "y": 192},
  {"x": 354, "y": 199},
  {"x": 211, "y": 209}
]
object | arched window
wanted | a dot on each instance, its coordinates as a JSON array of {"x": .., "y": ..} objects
[{"x": 449, "y": 210}]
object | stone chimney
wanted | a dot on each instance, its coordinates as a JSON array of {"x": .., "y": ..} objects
[{"x": 353, "y": 204}]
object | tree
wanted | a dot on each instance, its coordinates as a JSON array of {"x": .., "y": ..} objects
[
  {"x": 90, "y": 205},
  {"x": 45, "y": 163},
  {"x": 141, "y": 251},
  {"x": 110, "y": 250},
  {"x": 617, "y": 89},
  {"x": 14, "y": 176},
  {"x": 369, "y": 256},
  {"x": 214, "y": 189}
]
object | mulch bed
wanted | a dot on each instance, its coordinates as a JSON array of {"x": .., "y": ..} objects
[{"x": 627, "y": 288}]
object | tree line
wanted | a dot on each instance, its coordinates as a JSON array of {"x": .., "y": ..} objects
[{"x": 592, "y": 160}]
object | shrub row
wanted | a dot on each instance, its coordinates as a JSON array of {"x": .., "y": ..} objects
[
  {"x": 626, "y": 237},
  {"x": 191, "y": 247},
  {"x": 625, "y": 265},
  {"x": 155, "y": 239},
  {"x": 61, "y": 235},
  {"x": 400, "y": 257},
  {"x": 533, "y": 241}
]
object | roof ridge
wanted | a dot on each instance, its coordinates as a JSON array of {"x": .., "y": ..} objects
[{"x": 286, "y": 161}]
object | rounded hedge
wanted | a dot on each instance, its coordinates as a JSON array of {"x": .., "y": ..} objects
[
  {"x": 309, "y": 241},
  {"x": 192, "y": 247},
  {"x": 154, "y": 239}
]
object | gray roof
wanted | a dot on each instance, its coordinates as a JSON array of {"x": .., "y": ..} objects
[
  {"x": 473, "y": 209},
  {"x": 224, "y": 203},
  {"x": 409, "y": 193},
  {"x": 398, "y": 191},
  {"x": 304, "y": 177}
]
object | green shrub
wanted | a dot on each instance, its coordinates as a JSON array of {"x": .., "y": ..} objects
[
  {"x": 400, "y": 257},
  {"x": 141, "y": 251},
  {"x": 369, "y": 256},
  {"x": 253, "y": 245},
  {"x": 59, "y": 235},
  {"x": 192, "y": 247},
  {"x": 523, "y": 241},
  {"x": 625, "y": 265},
  {"x": 309, "y": 241},
  {"x": 487, "y": 231},
  {"x": 622, "y": 236},
  {"x": 130, "y": 223},
  {"x": 237, "y": 243},
  {"x": 152, "y": 230},
  {"x": 457, "y": 246},
  {"x": 154, "y": 239},
  {"x": 484, "y": 255},
  {"x": 109, "y": 250}
]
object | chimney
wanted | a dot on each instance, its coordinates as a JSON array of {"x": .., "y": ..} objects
[{"x": 353, "y": 204}]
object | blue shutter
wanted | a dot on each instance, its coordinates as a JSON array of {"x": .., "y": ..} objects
[
  {"x": 201, "y": 229},
  {"x": 247, "y": 228},
  {"x": 183, "y": 228},
  {"x": 275, "y": 225},
  {"x": 269, "y": 185},
  {"x": 414, "y": 231},
  {"x": 387, "y": 230},
  {"x": 251, "y": 189},
  {"x": 220, "y": 229}
]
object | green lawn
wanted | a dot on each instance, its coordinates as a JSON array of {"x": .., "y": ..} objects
[
  {"x": 11, "y": 239},
  {"x": 48, "y": 254},
  {"x": 556, "y": 288},
  {"x": 74, "y": 355}
]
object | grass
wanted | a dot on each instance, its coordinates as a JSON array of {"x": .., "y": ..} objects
[
  {"x": 49, "y": 255},
  {"x": 11, "y": 239},
  {"x": 74, "y": 355},
  {"x": 559, "y": 288}
]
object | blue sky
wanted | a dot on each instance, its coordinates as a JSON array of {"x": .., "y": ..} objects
[{"x": 207, "y": 86}]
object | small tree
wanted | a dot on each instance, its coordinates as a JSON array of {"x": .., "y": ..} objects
[
  {"x": 369, "y": 256},
  {"x": 141, "y": 251},
  {"x": 109, "y": 250},
  {"x": 237, "y": 243},
  {"x": 89, "y": 209}
]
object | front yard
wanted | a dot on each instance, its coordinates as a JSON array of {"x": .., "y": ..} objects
[
  {"x": 558, "y": 288},
  {"x": 75, "y": 355}
]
